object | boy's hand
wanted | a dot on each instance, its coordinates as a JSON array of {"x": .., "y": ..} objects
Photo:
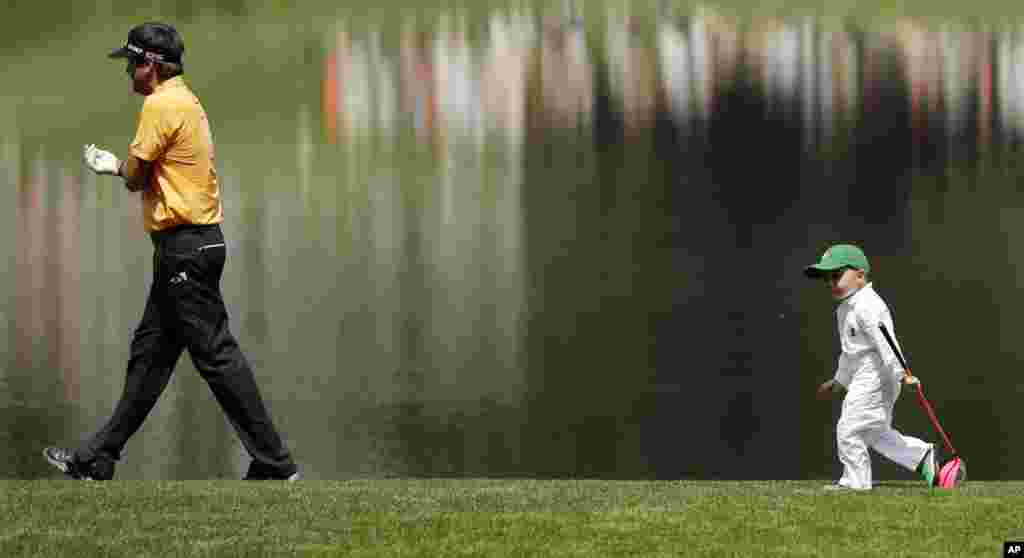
[{"x": 826, "y": 388}]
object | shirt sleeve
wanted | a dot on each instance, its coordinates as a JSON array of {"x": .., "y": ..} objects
[
  {"x": 157, "y": 129},
  {"x": 869, "y": 322},
  {"x": 843, "y": 372}
]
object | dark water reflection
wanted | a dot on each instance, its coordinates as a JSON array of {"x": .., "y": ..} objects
[{"x": 559, "y": 246}]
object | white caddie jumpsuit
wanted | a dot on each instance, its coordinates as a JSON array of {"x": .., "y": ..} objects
[{"x": 872, "y": 375}]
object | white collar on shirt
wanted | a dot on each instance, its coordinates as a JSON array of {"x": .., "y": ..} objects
[{"x": 851, "y": 299}]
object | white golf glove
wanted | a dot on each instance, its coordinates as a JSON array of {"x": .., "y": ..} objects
[{"x": 100, "y": 161}]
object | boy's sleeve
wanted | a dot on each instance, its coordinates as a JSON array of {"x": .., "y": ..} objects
[
  {"x": 843, "y": 372},
  {"x": 869, "y": 322},
  {"x": 156, "y": 131}
]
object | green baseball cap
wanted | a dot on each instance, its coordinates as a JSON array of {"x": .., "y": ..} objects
[{"x": 838, "y": 257}]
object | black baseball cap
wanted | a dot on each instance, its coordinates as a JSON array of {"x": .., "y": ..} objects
[{"x": 153, "y": 41}]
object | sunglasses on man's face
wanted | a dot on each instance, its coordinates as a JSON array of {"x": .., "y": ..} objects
[{"x": 132, "y": 64}]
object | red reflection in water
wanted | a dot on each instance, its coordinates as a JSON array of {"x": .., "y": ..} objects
[{"x": 47, "y": 278}]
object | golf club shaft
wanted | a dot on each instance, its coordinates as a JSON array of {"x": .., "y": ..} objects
[
  {"x": 892, "y": 345},
  {"x": 920, "y": 391}
]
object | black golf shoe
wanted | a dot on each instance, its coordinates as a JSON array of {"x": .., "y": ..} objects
[
  {"x": 261, "y": 471},
  {"x": 68, "y": 463}
]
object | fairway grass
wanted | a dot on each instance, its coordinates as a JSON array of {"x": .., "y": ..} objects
[{"x": 504, "y": 518}]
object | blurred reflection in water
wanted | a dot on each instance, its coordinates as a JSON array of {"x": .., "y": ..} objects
[{"x": 565, "y": 243}]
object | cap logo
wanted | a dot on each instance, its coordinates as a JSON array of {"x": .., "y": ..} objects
[{"x": 153, "y": 56}]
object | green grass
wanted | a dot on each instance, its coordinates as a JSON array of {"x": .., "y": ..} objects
[{"x": 504, "y": 518}]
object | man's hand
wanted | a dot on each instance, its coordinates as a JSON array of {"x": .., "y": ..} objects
[
  {"x": 826, "y": 388},
  {"x": 100, "y": 161},
  {"x": 910, "y": 380}
]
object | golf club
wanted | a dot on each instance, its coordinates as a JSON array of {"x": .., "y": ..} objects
[{"x": 954, "y": 470}]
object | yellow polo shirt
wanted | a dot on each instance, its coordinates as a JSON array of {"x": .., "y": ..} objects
[{"x": 174, "y": 134}]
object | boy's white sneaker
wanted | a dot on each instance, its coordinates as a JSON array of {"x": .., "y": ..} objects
[
  {"x": 836, "y": 486},
  {"x": 929, "y": 467}
]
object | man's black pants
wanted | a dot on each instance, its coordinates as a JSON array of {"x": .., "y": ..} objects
[{"x": 185, "y": 309}]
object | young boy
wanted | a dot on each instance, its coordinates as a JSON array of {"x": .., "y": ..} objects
[{"x": 870, "y": 373}]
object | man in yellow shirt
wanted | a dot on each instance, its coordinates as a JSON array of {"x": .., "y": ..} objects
[{"x": 171, "y": 162}]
